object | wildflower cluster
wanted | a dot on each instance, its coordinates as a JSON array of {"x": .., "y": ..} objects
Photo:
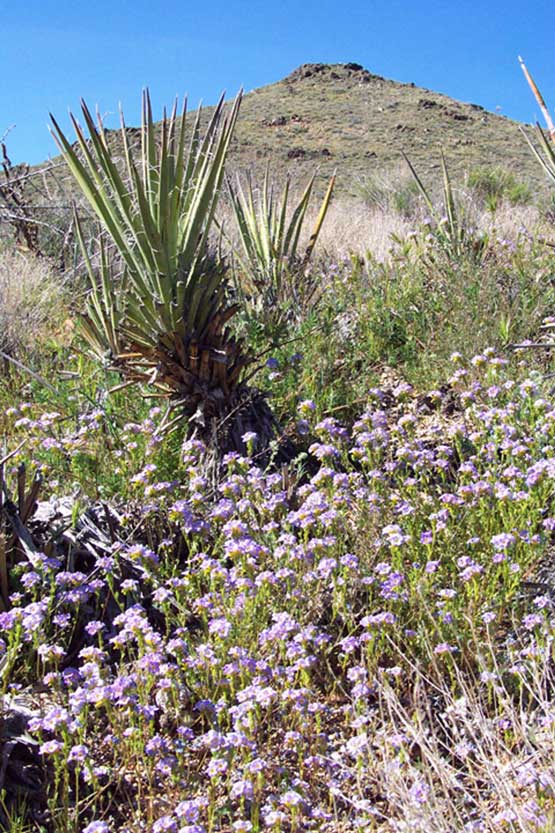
[{"x": 253, "y": 657}]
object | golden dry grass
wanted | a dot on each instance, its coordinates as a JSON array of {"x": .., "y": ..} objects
[
  {"x": 31, "y": 302},
  {"x": 353, "y": 228}
]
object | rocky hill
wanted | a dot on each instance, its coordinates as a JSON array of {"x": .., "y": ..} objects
[{"x": 343, "y": 116}]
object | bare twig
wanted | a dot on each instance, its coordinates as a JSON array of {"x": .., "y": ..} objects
[
  {"x": 533, "y": 345},
  {"x": 21, "y": 217},
  {"x": 32, "y": 174},
  {"x": 32, "y": 373},
  {"x": 5, "y": 459}
]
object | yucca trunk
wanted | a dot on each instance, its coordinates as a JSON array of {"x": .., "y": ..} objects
[{"x": 204, "y": 380}]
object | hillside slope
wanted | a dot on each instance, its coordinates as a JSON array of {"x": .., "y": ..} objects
[{"x": 342, "y": 116}]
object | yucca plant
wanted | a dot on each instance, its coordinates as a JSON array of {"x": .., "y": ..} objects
[
  {"x": 545, "y": 154},
  {"x": 452, "y": 234},
  {"x": 165, "y": 320},
  {"x": 272, "y": 279}
]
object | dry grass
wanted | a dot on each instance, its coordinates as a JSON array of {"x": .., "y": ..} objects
[
  {"x": 467, "y": 757},
  {"x": 510, "y": 221},
  {"x": 31, "y": 303},
  {"x": 354, "y": 228}
]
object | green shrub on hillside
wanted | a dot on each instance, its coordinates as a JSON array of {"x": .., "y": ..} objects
[
  {"x": 495, "y": 185},
  {"x": 385, "y": 193}
]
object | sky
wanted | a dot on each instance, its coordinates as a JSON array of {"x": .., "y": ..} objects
[{"x": 52, "y": 54}]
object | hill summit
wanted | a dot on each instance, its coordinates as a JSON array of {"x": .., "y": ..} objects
[{"x": 344, "y": 116}]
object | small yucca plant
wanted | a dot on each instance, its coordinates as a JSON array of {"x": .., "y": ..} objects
[
  {"x": 452, "y": 234},
  {"x": 165, "y": 320},
  {"x": 271, "y": 278}
]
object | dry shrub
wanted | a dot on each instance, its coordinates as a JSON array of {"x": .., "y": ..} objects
[
  {"x": 31, "y": 303},
  {"x": 353, "y": 227},
  {"x": 469, "y": 755},
  {"x": 508, "y": 221}
]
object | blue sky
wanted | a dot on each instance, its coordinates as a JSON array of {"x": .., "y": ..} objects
[{"x": 53, "y": 53}]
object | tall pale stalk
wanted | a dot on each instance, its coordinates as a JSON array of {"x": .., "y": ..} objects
[{"x": 545, "y": 154}]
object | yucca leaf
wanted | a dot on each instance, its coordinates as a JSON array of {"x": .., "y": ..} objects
[
  {"x": 207, "y": 183},
  {"x": 180, "y": 171},
  {"x": 283, "y": 219},
  {"x": 148, "y": 145},
  {"x": 547, "y": 159},
  {"x": 104, "y": 204},
  {"x": 296, "y": 223},
  {"x": 117, "y": 200},
  {"x": 456, "y": 229},
  {"x": 420, "y": 184},
  {"x": 319, "y": 220},
  {"x": 91, "y": 186},
  {"x": 266, "y": 229},
  {"x": 102, "y": 328},
  {"x": 147, "y": 235}
]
